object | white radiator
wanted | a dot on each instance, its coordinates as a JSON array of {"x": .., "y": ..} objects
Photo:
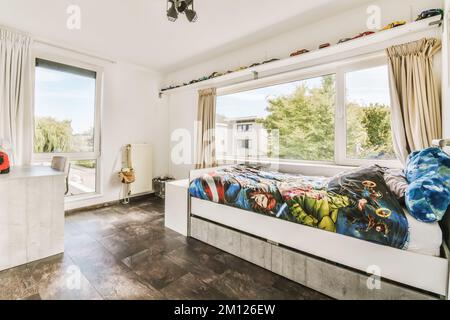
[{"x": 142, "y": 161}]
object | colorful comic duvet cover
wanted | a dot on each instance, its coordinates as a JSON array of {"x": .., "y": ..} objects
[{"x": 356, "y": 204}]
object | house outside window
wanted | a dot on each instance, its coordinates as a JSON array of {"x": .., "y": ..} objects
[{"x": 244, "y": 127}]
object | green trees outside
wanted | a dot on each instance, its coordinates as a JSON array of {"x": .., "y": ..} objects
[
  {"x": 55, "y": 136},
  {"x": 52, "y": 136},
  {"x": 369, "y": 132},
  {"x": 305, "y": 121}
]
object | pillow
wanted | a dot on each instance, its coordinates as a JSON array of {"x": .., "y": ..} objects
[
  {"x": 397, "y": 183},
  {"x": 428, "y": 193}
]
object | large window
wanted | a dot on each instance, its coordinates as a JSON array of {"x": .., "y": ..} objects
[
  {"x": 67, "y": 121},
  {"x": 369, "y": 114},
  {"x": 293, "y": 121},
  {"x": 340, "y": 117}
]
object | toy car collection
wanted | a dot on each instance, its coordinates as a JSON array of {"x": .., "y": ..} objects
[{"x": 424, "y": 15}]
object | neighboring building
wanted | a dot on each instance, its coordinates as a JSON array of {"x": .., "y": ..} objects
[{"x": 241, "y": 138}]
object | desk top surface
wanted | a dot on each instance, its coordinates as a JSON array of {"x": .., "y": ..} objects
[{"x": 30, "y": 172}]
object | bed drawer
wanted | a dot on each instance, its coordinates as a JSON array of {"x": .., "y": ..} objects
[
  {"x": 350, "y": 252},
  {"x": 326, "y": 277}
]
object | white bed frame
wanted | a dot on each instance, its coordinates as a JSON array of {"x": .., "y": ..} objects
[{"x": 426, "y": 274}]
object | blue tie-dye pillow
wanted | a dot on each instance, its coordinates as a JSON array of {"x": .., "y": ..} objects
[{"x": 428, "y": 194}]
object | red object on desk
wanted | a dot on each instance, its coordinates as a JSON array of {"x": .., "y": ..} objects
[{"x": 4, "y": 163}]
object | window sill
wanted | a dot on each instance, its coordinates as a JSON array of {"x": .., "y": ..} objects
[
  {"x": 309, "y": 168},
  {"x": 327, "y": 169}
]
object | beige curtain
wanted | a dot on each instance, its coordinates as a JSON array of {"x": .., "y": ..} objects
[
  {"x": 206, "y": 144},
  {"x": 16, "y": 112},
  {"x": 415, "y": 100}
]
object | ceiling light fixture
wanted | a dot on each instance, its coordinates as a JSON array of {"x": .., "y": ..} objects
[
  {"x": 172, "y": 13},
  {"x": 176, "y": 7},
  {"x": 191, "y": 15}
]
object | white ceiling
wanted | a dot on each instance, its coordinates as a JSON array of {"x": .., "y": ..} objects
[{"x": 139, "y": 32}]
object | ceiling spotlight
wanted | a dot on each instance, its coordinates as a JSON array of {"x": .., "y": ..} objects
[
  {"x": 172, "y": 13},
  {"x": 191, "y": 15},
  {"x": 176, "y": 7},
  {"x": 182, "y": 5}
]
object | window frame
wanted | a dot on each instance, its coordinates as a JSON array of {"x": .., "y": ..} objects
[
  {"x": 341, "y": 157},
  {"x": 95, "y": 155},
  {"x": 245, "y": 144},
  {"x": 339, "y": 69}
]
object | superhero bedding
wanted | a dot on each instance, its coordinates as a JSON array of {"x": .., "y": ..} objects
[{"x": 357, "y": 204}]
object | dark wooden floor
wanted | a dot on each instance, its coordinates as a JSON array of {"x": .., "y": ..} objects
[{"x": 124, "y": 252}]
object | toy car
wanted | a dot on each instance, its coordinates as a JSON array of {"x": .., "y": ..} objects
[
  {"x": 215, "y": 75},
  {"x": 325, "y": 45},
  {"x": 299, "y": 52},
  {"x": 344, "y": 40},
  {"x": 430, "y": 13},
  {"x": 255, "y": 65},
  {"x": 240, "y": 69},
  {"x": 364, "y": 34},
  {"x": 271, "y": 60},
  {"x": 394, "y": 24}
]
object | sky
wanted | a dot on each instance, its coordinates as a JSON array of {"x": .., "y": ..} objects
[
  {"x": 364, "y": 87},
  {"x": 65, "y": 96}
]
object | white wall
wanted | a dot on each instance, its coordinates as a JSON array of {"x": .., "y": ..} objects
[
  {"x": 131, "y": 113},
  {"x": 182, "y": 116},
  {"x": 183, "y": 104}
]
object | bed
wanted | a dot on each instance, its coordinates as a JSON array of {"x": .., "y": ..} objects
[{"x": 413, "y": 264}]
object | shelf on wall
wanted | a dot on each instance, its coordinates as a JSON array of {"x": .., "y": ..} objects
[{"x": 317, "y": 55}]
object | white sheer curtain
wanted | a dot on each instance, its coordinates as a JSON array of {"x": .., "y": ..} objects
[{"x": 16, "y": 112}]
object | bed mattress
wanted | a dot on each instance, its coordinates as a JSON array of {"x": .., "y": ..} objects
[
  {"x": 357, "y": 206},
  {"x": 424, "y": 238}
]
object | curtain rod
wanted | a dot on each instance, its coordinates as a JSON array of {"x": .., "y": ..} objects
[{"x": 57, "y": 46}]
